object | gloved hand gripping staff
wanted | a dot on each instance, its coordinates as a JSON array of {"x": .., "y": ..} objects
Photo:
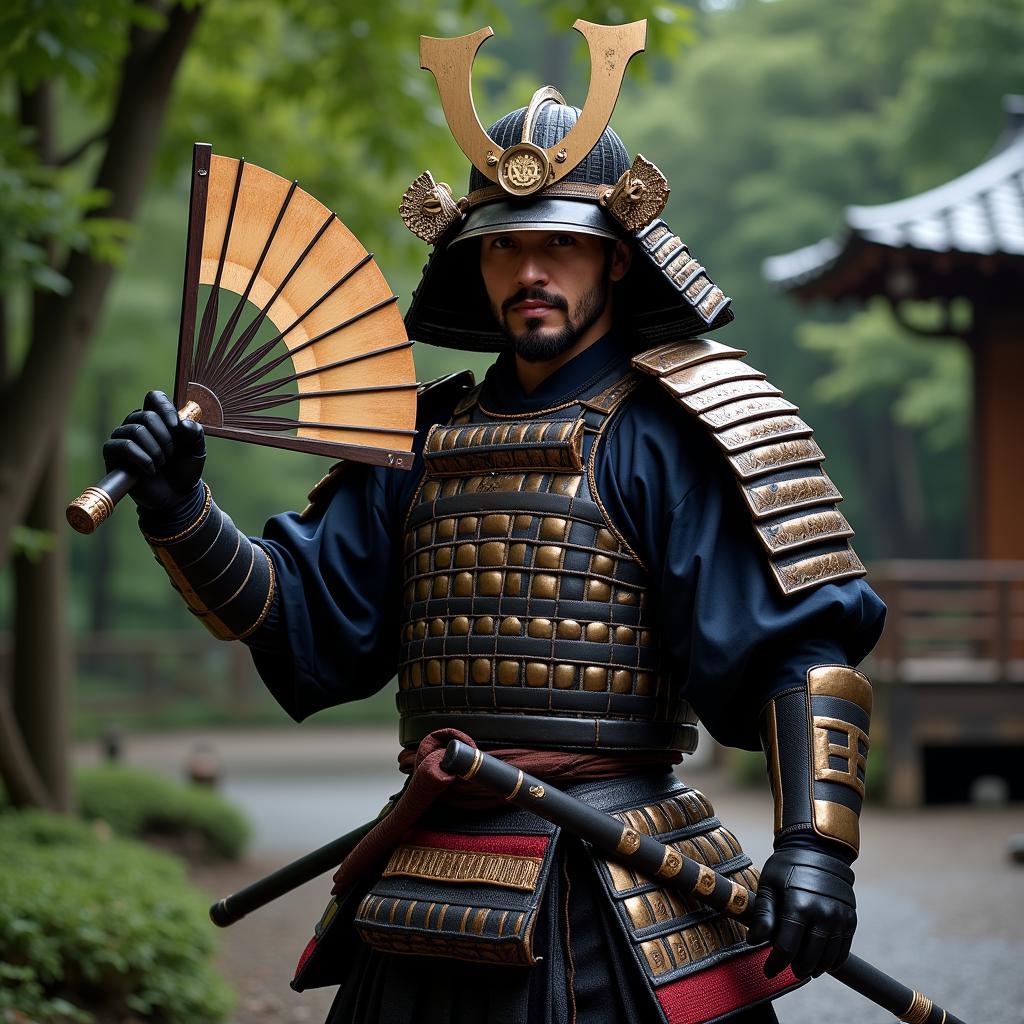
[{"x": 669, "y": 866}]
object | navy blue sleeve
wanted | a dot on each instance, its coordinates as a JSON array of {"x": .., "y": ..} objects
[
  {"x": 332, "y": 632},
  {"x": 730, "y": 634}
]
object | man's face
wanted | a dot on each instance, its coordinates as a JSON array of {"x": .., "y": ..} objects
[{"x": 547, "y": 288}]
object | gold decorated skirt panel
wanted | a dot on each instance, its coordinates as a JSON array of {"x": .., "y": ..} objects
[{"x": 673, "y": 933}]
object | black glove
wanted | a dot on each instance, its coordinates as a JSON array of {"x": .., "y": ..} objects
[
  {"x": 166, "y": 453},
  {"x": 806, "y": 909}
]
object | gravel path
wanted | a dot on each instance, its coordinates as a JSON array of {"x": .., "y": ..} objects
[{"x": 259, "y": 953}]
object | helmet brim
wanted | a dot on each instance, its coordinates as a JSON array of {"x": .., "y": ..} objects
[{"x": 583, "y": 217}]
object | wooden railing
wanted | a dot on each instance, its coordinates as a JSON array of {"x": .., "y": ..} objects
[
  {"x": 951, "y": 621},
  {"x": 949, "y": 703},
  {"x": 153, "y": 673}
]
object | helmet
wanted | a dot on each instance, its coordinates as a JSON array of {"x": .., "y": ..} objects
[{"x": 549, "y": 166}]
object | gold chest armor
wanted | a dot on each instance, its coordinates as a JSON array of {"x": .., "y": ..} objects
[{"x": 527, "y": 618}]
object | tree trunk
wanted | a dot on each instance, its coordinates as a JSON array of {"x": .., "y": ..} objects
[
  {"x": 65, "y": 324},
  {"x": 35, "y": 710},
  {"x": 41, "y": 664},
  {"x": 21, "y": 780}
]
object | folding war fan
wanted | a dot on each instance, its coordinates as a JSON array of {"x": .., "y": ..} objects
[{"x": 323, "y": 365}]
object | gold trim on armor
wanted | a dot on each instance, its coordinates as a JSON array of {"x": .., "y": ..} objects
[
  {"x": 706, "y": 881},
  {"x": 592, "y": 474},
  {"x": 744, "y": 410},
  {"x": 457, "y": 451},
  {"x": 772, "y": 458},
  {"x": 271, "y": 588},
  {"x": 478, "y": 759},
  {"x": 766, "y": 430},
  {"x": 519, "y": 415},
  {"x": 510, "y": 871},
  {"x": 739, "y": 899},
  {"x": 704, "y": 375},
  {"x": 850, "y": 753},
  {"x": 518, "y": 786},
  {"x": 774, "y": 763},
  {"x": 800, "y": 531},
  {"x": 727, "y": 392},
  {"x": 671, "y": 863},
  {"x": 191, "y": 528},
  {"x": 837, "y": 821},
  {"x": 608, "y": 400},
  {"x": 790, "y": 495},
  {"x": 841, "y": 681},
  {"x": 563, "y": 189},
  {"x": 674, "y": 355}
]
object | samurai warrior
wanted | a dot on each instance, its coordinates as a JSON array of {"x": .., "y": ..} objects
[{"x": 622, "y": 530}]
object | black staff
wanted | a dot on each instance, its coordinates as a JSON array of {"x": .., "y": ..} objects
[
  {"x": 656, "y": 860},
  {"x": 233, "y": 908}
]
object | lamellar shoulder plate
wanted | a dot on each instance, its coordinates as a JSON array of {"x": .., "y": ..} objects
[{"x": 770, "y": 449}]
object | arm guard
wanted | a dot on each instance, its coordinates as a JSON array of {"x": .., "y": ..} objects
[
  {"x": 816, "y": 742},
  {"x": 227, "y": 581}
]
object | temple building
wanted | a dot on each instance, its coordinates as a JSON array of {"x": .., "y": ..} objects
[
  {"x": 951, "y": 661},
  {"x": 963, "y": 240}
]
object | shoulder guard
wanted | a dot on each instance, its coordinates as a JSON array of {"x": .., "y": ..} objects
[
  {"x": 434, "y": 398},
  {"x": 773, "y": 455}
]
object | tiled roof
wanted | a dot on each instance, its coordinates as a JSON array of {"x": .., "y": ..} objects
[{"x": 981, "y": 212}]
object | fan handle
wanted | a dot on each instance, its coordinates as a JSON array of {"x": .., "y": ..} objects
[{"x": 96, "y": 504}]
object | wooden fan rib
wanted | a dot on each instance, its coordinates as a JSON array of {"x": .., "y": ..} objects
[
  {"x": 217, "y": 360},
  {"x": 376, "y": 455},
  {"x": 219, "y": 169},
  {"x": 249, "y": 334},
  {"x": 315, "y": 368},
  {"x": 272, "y": 401},
  {"x": 246, "y": 368},
  {"x": 199, "y": 188},
  {"x": 283, "y": 423}
]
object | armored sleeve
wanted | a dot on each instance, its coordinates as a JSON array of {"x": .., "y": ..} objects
[
  {"x": 315, "y": 597},
  {"x": 732, "y": 632}
]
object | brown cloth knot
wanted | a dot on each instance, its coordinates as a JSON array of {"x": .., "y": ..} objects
[{"x": 428, "y": 782}]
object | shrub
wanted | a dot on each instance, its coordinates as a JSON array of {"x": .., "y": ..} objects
[
  {"x": 140, "y": 805},
  {"x": 94, "y": 929}
]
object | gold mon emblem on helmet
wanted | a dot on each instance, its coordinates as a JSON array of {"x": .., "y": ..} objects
[{"x": 523, "y": 169}]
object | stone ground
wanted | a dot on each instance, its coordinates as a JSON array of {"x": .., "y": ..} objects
[{"x": 941, "y": 905}]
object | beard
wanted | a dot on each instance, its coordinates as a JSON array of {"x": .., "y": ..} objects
[{"x": 537, "y": 343}]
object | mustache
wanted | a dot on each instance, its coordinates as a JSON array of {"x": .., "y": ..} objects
[{"x": 538, "y": 295}]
